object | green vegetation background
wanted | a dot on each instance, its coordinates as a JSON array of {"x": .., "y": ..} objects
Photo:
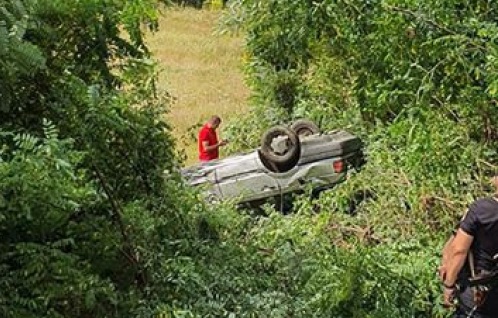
[{"x": 95, "y": 221}]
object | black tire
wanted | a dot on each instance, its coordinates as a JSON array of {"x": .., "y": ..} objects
[
  {"x": 279, "y": 161},
  {"x": 304, "y": 127}
]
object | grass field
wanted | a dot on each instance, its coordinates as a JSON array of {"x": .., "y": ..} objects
[{"x": 201, "y": 69}]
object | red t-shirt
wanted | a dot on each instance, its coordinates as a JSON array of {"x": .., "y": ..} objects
[{"x": 207, "y": 134}]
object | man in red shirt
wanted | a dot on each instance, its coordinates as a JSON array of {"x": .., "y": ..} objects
[{"x": 208, "y": 140}]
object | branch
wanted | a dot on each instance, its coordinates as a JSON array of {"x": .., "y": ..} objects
[
  {"x": 129, "y": 250},
  {"x": 418, "y": 15}
]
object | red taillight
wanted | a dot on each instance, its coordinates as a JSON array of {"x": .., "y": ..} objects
[{"x": 338, "y": 166}]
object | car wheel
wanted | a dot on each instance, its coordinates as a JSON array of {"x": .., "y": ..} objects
[
  {"x": 304, "y": 127},
  {"x": 280, "y": 149}
]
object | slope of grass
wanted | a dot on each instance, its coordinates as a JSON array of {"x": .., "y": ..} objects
[{"x": 201, "y": 69}]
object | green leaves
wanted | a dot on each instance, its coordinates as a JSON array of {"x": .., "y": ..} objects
[
  {"x": 396, "y": 55},
  {"x": 418, "y": 81},
  {"x": 92, "y": 226},
  {"x": 83, "y": 150},
  {"x": 18, "y": 59},
  {"x": 42, "y": 193}
]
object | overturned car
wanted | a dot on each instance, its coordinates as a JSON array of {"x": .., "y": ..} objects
[{"x": 290, "y": 159}]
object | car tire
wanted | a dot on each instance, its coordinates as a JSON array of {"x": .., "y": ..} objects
[
  {"x": 275, "y": 161},
  {"x": 304, "y": 127}
]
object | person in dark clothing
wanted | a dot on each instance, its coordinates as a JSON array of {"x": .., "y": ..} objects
[{"x": 471, "y": 251}]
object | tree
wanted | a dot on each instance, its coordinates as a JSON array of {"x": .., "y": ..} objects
[
  {"x": 84, "y": 151},
  {"x": 395, "y": 56}
]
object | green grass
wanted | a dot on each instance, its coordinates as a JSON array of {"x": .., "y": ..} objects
[{"x": 201, "y": 69}]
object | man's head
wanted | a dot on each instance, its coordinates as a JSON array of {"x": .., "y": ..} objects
[{"x": 214, "y": 122}]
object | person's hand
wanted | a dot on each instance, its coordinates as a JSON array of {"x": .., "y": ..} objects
[
  {"x": 449, "y": 297},
  {"x": 223, "y": 142}
]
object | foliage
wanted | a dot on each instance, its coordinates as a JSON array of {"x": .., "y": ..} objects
[
  {"x": 415, "y": 79},
  {"x": 18, "y": 59},
  {"x": 395, "y": 56},
  {"x": 199, "y": 4},
  {"x": 417, "y": 82},
  {"x": 288, "y": 266},
  {"x": 84, "y": 151},
  {"x": 96, "y": 222},
  {"x": 193, "y": 3},
  {"x": 42, "y": 196}
]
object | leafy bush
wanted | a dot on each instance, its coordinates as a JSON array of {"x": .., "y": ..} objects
[
  {"x": 84, "y": 152},
  {"x": 416, "y": 82},
  {"x": 42, "y": 197}
]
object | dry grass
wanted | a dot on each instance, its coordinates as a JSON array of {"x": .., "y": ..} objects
[{"x": 201, "y": 69}]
